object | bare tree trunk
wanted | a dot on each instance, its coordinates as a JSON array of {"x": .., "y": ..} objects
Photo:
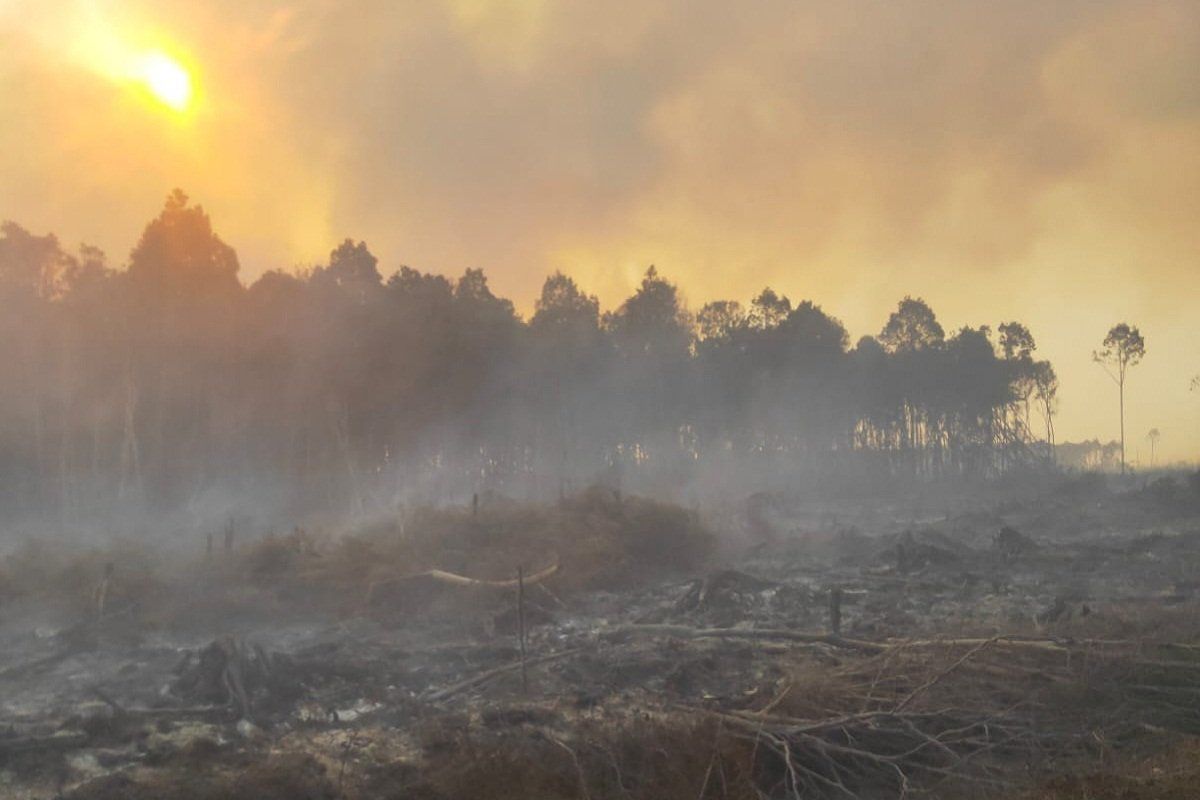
[
  {"x": 340, "y": 419},
  {"x": 39, "y": 448},
  {"x": 1121, "y": 391},
  {"x": 1050, "y": 433},
  {"x": 64, "y": 489},
  {"x": 131, "y": 467},
  {"x": 95, "y": 451}
]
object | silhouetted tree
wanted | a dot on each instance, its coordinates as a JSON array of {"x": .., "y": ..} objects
[
  {"x": 343, "y": 387},
  {"x": 1046, "y": 384},
  {"x": 352, "y": 268},
  {"x": 1016, "y": 342},
  {"x": 1030, "y": 380},
  {"x": 567, "y": 360},
  {"x": 179, "y": 259},
  {"x": 652, "y": 334},
  {"x": 1153, "y": 436},
  {"x": 912, "y": 327},
  {"x": 768, "y": 310},
  {"x": 719, "y": 320},
  {"x": 653, "y": 321},
  {"x": 913, "y": 336},
  {"x": 33, "y": 263},
  {"x": 1124, "y": 347}
]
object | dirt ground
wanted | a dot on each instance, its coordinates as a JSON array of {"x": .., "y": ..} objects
[{"x": 1038, "y": 646}]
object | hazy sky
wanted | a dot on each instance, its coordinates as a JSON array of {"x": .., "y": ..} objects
[{"x": 1029, "y": 160}]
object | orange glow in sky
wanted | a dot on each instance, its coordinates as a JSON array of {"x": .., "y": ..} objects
[
  {"x": 1023, "y": 160},
  {"x": 167, "y": 80}
]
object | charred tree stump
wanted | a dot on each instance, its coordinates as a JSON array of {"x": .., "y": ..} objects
[
  {"x": 521, "y": 627},
  {"x": 835, "y": 611}
]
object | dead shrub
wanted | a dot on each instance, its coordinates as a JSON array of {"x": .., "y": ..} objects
[
  {"x": 282, "y": 777},
  {"x": 597, "y": 539},
  {"x": 643, "y": 759},
  {"x": 70, "y": 574}
]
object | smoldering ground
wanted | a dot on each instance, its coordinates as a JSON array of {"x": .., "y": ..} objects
[{"x": 608, "y": 645}]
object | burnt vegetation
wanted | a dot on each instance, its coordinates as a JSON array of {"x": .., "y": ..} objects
[{"x": 341, "y": 536}]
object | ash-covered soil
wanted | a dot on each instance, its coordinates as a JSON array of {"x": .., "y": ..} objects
[{"x": 1009, "y": 648}]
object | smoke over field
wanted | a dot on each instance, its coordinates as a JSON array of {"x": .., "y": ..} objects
[
  {"x": 169, "y": 394},
  {"x": 333, "y": 535},
  {"x": 783, "y": 401}
]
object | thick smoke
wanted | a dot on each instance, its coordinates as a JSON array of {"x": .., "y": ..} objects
[{"x": 168, "y": 394}]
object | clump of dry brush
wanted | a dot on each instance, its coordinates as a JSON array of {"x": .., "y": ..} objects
[
  {"x": 400, "y": 564},
  {"x": 985, "y": 713}
]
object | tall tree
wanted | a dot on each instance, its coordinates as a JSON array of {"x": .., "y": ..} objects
[
  {"x": 1123, "y": 348},
  {"x": 719, "y": 320},
  {"x": 1016, "y": 342},
  {"x": 564, "y": 363},
  {"x": 33, "y": 263},
  {"x": 170, "y": 384},
  {"x": 353, "y": 268},
  {"x": 1045, "y": 380},
  {"x": 1153, "y": 436},
  {"x": 652, "y": 333},
  {"x": 565, "y": 310},
  {"x": 768, "y": 310},
  {"x": 912, "y": 327},
  {"x": 179, "y": 258},
  {"x": 1017, "y": 346},
  {"x": 654, "y": 321}
]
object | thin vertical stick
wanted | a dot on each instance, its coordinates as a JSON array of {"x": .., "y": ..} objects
[
  {"x": 521, "y": 626},
  {"x": 835, "y": 611},
  {"x": 100, "y": 595}
]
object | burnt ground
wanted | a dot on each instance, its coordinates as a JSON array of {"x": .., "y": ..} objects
[{"x": 1045, "y": 647}]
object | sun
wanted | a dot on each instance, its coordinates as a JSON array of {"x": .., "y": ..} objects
[{"x": 167, "y": 80}]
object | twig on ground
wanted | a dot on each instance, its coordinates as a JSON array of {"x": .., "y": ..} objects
[{"x": 484, "y": 677}]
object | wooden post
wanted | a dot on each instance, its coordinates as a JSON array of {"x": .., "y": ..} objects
[
  {"x": 521, "y": 626},
  {"x": 835, "y": 611},
  {"x": 100, "y": 595},
  {"x": 229, "y": 532}
]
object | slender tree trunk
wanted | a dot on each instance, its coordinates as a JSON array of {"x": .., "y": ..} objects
[
  {"x": 1050, "y": 434},
  {"x": 131, "y": 457},
  {"x": 64, "y": 444},
  {"x": 95, "y": 451},
  {"x": 1121, "y": 392}
]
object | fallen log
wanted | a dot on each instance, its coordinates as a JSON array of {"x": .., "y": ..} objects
[
  {"x": 167, "y": 712},
  {"x": 936, "y": 679},
  {"x": 869, "y": 754},
  {"x": 462, "y": 580},
  {"x": 1054, "y": 645},
  {"x": 57, "y": 741},
  {"x": 484, "y": 677},
  {"x": 772, "y": 634},
  {"x": 38, "y": 664},
  {"x": 453, "y": 579}
]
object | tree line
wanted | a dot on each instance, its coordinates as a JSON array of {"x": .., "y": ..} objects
[{"x": 173, "y": 385}]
